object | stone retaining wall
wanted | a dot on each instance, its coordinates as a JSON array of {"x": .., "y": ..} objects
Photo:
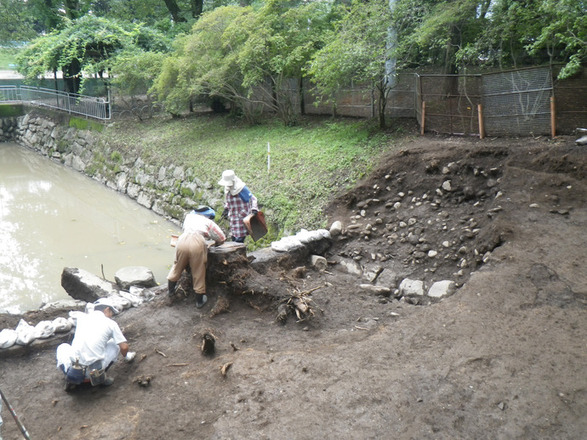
[
  {"x": 169, "y": 191},
  {"x": 7, "y": 128}
]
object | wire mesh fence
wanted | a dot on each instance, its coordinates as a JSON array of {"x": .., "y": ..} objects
[
  {"x": 520, "y": 102},
  {"x": 517, "y": 102},
  {"x": 450, "y": 103},
  {"x": 360, "y": 100}
]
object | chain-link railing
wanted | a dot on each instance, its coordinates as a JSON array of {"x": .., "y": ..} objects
[
  {"x": 72, "y": 103},
  {"x": 9, "y": 94}
]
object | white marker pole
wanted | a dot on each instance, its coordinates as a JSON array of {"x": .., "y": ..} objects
[{"x": 268, "y": 157}]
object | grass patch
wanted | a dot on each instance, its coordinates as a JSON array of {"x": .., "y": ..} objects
[
  {"x": 10, "y": 110},
  {"x": 309, "y": 163},
  {"x": 85, "y": 124}
]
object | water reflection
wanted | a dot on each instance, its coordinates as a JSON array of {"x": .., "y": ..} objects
[{"x": 52, "y": 217}]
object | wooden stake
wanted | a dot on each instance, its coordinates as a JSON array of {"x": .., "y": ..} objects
[
  {"x": 423, "y": 118},
  {"x": 481, "y": 126},
  {"x": 552, "y": 117}
]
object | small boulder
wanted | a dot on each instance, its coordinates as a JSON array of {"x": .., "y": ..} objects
[
  {"x": 139, "y": 276},
  {"x": 83, "y": 285},
  {"x": 377, "y": 290},
  {"x": 410, "y": 287},
  {"x": 318, "y": 262},
  {"x": 441, "y": 289},
  {"x": 336, "y": 228},
  {"x": 350, "y": 266}
]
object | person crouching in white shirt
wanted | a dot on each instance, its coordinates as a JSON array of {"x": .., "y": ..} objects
[{"x": 96, "y": 344}]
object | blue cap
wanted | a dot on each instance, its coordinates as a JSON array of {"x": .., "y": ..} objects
[{"x": 206, "y": 211}]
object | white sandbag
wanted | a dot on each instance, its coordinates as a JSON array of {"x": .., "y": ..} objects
[
  {"x": 325, "y": 233},
  {"x": 44, "y": 329},
  {"x": 136, "y": 290},
  {"x": 306, "y": 237},
  {"x": 147, "y": 294},
  {"x": 141, "y": 292},
  {"x": 7, "y": 338},
  {"x": 116, "y": 301},
  {"x": 74, "y": 314},
  {"x": 286, "y": 244},
  {"x": 25, "y": 333},
  {"x": 135, "y": 300},
  {"x": 62, "y": 325}
]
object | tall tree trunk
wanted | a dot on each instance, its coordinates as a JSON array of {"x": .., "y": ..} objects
[
  {"x": 174, "y": 10},
  {"x": 197, "y": 7},
  {"x": 72, "y": 9},
  {"x": 382, "y": 104},
  {"x": 302, "y": 100},
  {"x": 72, "y": 76}
]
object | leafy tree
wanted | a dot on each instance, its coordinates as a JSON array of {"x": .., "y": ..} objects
[
  {"x": 504, "y": 32},
  {"x": 205, "y": 63},
  {"x": 563, "y": 35},
  {"x": 357, "y": 51},
  {"x": 245, "y": 56},
  {"x": 84, "y": 47},
  {"x": 439, "y": 32},
  {"x": 52, "y": 14},
  {"x": 456, "y": 34},
  {"x": 136, "y": 70},
  {"x": 280, "y": 42}
]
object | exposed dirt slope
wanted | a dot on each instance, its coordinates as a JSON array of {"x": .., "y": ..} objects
[{"x": 502, "y": 358}]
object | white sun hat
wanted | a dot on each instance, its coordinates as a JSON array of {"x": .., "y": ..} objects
[{"x": 228, "y": 177}]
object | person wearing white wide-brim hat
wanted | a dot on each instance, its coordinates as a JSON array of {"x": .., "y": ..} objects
[{"x": 239, "y": 202}]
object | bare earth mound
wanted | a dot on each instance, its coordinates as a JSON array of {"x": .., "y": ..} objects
[{"x": 503, "y": 357}]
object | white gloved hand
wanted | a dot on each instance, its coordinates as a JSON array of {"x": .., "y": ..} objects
[{"x": 130, "y": 356}]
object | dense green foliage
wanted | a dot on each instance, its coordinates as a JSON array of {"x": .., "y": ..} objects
[
  {"x": 16, "y": 22},
  {"x": 245, "y": 55},
  {"x": 461, "y": 34},
  {"x": 357, "y": 50}
]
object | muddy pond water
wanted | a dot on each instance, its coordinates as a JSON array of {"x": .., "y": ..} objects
[{"x": 53, "y": 217}]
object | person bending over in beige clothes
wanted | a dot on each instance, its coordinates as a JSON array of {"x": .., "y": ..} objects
[{"x": 191, "y": 251}]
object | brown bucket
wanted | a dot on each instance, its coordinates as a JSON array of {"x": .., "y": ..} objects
[{"x": 255, "y": 224}]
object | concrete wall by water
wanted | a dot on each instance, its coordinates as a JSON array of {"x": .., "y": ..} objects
[{"x": 169, "y": 191}]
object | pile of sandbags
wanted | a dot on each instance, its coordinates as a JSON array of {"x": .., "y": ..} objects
[{"x": 25, "y": 334}]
